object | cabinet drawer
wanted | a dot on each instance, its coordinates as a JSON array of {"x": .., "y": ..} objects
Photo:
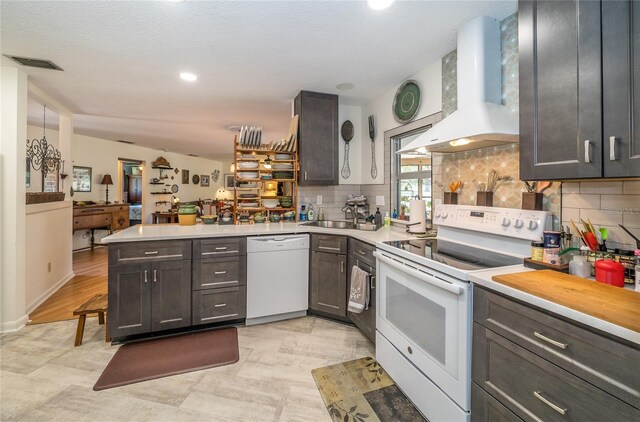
[
  {"x": 223, "y": 246},
  {"x": 329, "y": 243},
  {"x": 484, "y": 408},
  {"x": 210, "y": 273},
  {"x": 214, "y": 305},
  {"x": 362, "y": 251},
  {"x": 535, "y": 389},
  {"x": 121, "y": 253},
  {"x": 600, "y": 360},
  {"x": 91, "y": 221}
]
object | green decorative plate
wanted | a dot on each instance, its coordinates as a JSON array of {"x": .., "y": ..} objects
[{"x": 407, "y": 101}]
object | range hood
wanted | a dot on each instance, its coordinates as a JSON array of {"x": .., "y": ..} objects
[{"x": 480, "y": 120}]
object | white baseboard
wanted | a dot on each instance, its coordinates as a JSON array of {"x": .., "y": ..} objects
[
  {"x": 51, "y": 290},
  {"x": 11, "y": 326}
]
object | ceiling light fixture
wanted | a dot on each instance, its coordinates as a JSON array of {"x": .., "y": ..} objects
[
  {"x": 379, "y": 4},
  {"x": 189, "y": 77},
  {"x": 345, "y": 86}
]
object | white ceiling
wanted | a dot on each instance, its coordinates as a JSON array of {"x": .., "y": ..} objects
[{"x": 121, "y": 60}]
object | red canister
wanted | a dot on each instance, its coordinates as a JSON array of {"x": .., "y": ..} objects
[{"x": 610, "y": 272}]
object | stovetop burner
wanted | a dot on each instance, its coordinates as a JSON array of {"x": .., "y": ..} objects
[{"x": 455, "y": 255}]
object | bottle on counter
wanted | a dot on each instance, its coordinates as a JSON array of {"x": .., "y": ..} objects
[
  {"x": 311, "y": 213},
  {"x": 395, "y": 214},
  {"x": 580, "y": 267},
  {"x": 387, "y": 219},
  {"x": 303, "y": 213},
  {"x": 378, "y": 217},
  {"x": 321, "y": 214},
  {"x": 537, "y": 250},
  {"x": 637, "y": 269}
]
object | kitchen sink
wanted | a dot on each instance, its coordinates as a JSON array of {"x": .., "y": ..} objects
[{"x": 333, "y": 224}]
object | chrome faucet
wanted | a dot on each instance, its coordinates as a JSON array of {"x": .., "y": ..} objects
[{"x": 352, "y": 210}]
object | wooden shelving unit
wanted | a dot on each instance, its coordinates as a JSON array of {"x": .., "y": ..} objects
[{"x": 289, "y": 185}]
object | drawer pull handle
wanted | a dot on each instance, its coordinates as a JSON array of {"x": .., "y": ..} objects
[
  {"x": 612, "y": 148},
  {"x": 151, "y": 253},
  {"x": 587, "y": 151},
  {"x": 220, "y": 272},
  {"x": 220, "y": 305},
  {"x": 548, "y": 340},
  {"x": 548, "y": 403},
  {"x": 372, "y": 282},
  {"x": 328, "y": 248},
  {"x": 362, "y": 253},
  {"x": 223, "y": 248},
  {"x": 216, "y": 253}
]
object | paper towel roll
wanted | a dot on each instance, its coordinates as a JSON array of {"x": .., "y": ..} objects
[{"x": 417, "y": 212}]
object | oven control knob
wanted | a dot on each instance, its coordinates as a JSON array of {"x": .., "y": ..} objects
[
  {"x": 445, "y": 214},
  {"x": 438, "y": 214},
  {"x": 506, "y": 222},
  {"x": 518, "y": 224},
  {"x": 533, "y": 225}
]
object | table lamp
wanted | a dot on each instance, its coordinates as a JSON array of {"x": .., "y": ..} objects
[{"x": 106, "y": 180}]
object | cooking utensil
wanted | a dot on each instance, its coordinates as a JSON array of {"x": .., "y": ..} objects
[
  {"x": 584, "y": 240},
  {"x": 347, "y": 135},
  {"x": 500, "y": 181},
  {"x": 632, "y": 235},
  {"x": 592, "y": 241},
  {"x": 480, "y": 187},
  {"x": 531, "y": 186},
  {"x": 604, "y": 234},
  {"x": 454, "y": 186},
  {"x": 372, "y": 136},
  {"x": 541, "y": 186}
]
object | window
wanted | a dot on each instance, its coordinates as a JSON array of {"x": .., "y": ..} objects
[{"x": 412, "y": 178}]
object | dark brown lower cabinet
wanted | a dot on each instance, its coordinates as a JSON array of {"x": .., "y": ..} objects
[
  {"x": 361, "y": 256},
  {"x": 216, "y": 305},
  {"x": 541, "y": 367},
  {"x": 328, "y": 293},
  {"x": 149, "y": 296},
  {"x": 485, "y": 408}
]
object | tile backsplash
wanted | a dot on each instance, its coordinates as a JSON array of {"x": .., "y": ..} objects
[
  {"x": 606, "y": 204},
  {"x": 333, "y": 198}
]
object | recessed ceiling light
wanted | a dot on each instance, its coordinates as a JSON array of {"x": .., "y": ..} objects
[
  {"x": 379, "y": 4},
  {"x": 345, "y": 86},
  {"x": 190, "y": 77}
]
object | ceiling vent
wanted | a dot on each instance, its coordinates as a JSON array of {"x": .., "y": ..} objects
[{"x": 40, "y": 63}]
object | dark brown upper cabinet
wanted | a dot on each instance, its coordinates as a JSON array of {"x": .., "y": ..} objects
[
  {"x": 621, "y": 88},
  {"x": 560, "y": 89},
  {"x": 317, "y": 138}
]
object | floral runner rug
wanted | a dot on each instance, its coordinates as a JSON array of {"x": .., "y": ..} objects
[{"x": 361, "y": 391}]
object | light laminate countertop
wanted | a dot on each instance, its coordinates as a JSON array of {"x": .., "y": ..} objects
[
  {"x": 146, "y": 232},
  {"x": 484, "y": 278}
]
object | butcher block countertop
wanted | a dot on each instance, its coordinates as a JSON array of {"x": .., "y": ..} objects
[{"x": 606, "y": 308}]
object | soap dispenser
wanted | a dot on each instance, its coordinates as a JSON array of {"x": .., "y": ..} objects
[
  {"x": 378, "y": 217},
  {"x": 310, "y": 213}
]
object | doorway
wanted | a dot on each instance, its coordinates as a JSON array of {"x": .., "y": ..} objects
[{"x": 130, "y": 188}]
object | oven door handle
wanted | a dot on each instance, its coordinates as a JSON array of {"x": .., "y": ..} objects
[{"x": 420, "y": 275}]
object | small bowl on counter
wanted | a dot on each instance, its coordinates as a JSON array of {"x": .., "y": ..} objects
[{"x": 209, "y": 219}]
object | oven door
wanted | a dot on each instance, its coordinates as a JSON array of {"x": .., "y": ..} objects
[{"x": 426, "y": 315}]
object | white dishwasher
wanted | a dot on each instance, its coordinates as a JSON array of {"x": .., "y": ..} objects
[{"x": 277, "y": 277}]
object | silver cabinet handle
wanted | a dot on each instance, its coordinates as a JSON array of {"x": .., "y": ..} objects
[
  {"x": 220, "y": 305},
  {"x": 361, "y": 252},
  {"x": 145, "y": 276},
  {"x": 587, "y": 151},
  {"x": 305, "y": 175},
  {"x": 551, "y": 341},
  {"x": 548, "y": 403},
  {"x": 216, "y": 253},
  {"x": 328, "y": 248},
  {"x": 612, "y": 148},
  {"x": 219, "y": 272},
  {"x": 155, "y": 275},
  {"x": 372, "y": 282},
  {"x": 341, "y": 266},
  {"x": 223, "y": 248},
  {"x": 151, "y": 253}
]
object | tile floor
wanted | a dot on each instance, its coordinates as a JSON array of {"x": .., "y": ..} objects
[{"x": 43, "y": 377}]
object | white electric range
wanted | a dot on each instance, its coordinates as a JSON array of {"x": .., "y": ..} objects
[{"x": 424, "y": 303}]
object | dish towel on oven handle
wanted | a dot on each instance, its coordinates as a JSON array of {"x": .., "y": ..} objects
[{"x": 359, "y": 290}]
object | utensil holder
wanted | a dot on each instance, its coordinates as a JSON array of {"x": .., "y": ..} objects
[
  {"x": 451, "y": 197},
  {"x": 532, "y": 201},
  {"x": 484, "y": 199}
]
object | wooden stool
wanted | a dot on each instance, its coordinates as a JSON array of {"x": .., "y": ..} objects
[{"x": 95, "y": 305}]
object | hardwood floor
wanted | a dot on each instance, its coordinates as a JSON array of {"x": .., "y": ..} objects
[{"x": 90, "y": 268}]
